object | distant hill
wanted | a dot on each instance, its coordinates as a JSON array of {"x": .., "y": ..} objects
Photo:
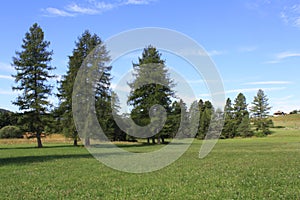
[
  {"x": 4, "y": 111},
  {"x": 287, "y": 121}
]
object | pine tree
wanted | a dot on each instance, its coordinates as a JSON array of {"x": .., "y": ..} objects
[
  {"x": 260, "y": 111},
  {"x": 240, "y": 115},
  {"x": 151, "y": 86},
  {"x": 244, "y": 128},
  {"x": 33, "y": 71},
  {"x": 228, "y": 129},
  {"x": 85, "y": 44},
  {"x": 206, "y": 112}
]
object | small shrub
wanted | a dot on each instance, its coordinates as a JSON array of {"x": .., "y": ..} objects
[
  {"x": 11, "y": 132},
  {"x": 279, "y": 127},
  {"x": 259, "y": 134}
]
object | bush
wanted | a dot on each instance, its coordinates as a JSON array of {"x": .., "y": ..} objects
[
  {"x": 11, "y": 132},
  {"x": 259, "y": 134}
]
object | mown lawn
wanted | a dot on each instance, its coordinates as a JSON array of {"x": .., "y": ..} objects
[{"x": 256, "y": 168}]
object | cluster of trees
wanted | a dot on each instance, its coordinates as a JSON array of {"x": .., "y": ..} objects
[
  {"x": 239, "y": 121},
  {"x": 34, "y": 69}
]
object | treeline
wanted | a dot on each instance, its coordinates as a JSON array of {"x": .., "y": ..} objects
[{"x": 151, "y": 86}]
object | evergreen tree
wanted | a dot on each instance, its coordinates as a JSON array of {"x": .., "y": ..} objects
[
  {"x": 33, "y": 72},
  {"x": 240, "y": 114},
  {"x": 85, "y": 44},
  {"x": 206, "y": 112},
  {"x": 151, "y": 86},
  {"x": 260, "y": 111},
  {"x": 172, "y": 125},
  {"x": 228, "y": 129},
  {"x": 244, "y": 128}
]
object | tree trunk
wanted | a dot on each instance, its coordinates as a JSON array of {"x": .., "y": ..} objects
[
  {"x": 162, "y": 139},
  {"x": 75, "y": 142},
  {"x": 87, "y": 142},
  {"x": 148, "y": 140},
  {"x": 153, "y": 140},
  {"x": 39, "y": 141},
  {"x": 158, "y": 140}
]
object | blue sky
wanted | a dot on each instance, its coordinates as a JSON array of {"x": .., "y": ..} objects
[{"x": 253, "y": 43}]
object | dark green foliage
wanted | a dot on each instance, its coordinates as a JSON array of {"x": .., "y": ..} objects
[
  {"x": 260, "y": 111},
  {"x": 33, "y": 72},
  {"x": 206, "y": 111},
  {"x": 8, "y": 118},
  {"x": 11, "y": 132},
  {"x": 241, "y": 117},
  {"x": 85, "y": 44},
  {"x": 244, "y": 128},
  {"x": 150, "y": 87},
  {"x": 228, "y": 129},
  {"x": 294, "y": 112}
]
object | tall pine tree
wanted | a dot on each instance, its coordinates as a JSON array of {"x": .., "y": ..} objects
[
  {"x": 241, "y": 117},
  {"x": 151, "y": 86},
  {"x": 228, "y": 129},
  {"x": 86, "y": 44},
  {"x": 260, "y": 111},
  {"x": 33, "y": 71}
]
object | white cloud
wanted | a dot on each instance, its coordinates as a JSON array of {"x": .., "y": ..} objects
[
  {"x": 247, "y": 49},
  {"x": 215, "y": 53},
  {"x": 268, "y": 83},
  {"x": 195, "y": 52},
  {"x": 82, "y": 10},
  {"x": 7, "y": 92},
  {"x": 92, "y": 7},
  {"x": 6, "y": 77},
  {"x": 50, "y": 12},
  {"x": 283, "y": 55},
  {"x": 137, "y": 2},
  {"x": 291, "y": 15},
  {"x": 287, "y": 54},
  {"x": 246, "y": 90}
]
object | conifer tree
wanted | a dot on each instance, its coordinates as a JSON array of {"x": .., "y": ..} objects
[
  {"x": 260, "y": 111},
  {"x": 241, "y": 116},
  {"x": 86, "y": 44},
  {"x": 151, "y": 86},
  {"x": 228, "y": 129},
  {"x": 33, "y": 73}
]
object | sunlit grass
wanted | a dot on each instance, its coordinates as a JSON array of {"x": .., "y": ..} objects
[{"x": 250, "y": 168}]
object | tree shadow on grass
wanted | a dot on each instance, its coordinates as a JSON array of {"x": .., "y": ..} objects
[
  {"x": 23, "y": 160},
  {"x": 35, "y": 147}
]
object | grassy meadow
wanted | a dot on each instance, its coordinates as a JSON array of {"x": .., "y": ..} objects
[{"x": 251, "y": 168}]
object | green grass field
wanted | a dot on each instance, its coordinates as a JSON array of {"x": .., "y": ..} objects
[{"x": 251, "y": 168}]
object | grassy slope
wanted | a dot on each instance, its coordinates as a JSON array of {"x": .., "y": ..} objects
[
  {"x": 288, "y": 121},
  {"x": 256, "y": 168}
]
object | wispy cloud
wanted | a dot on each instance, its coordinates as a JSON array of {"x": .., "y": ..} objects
[
  {"x": 247, "y": 90},
  {"x": 7, "y": 92},
  {"x": 243, "y": 90},
  {"x": 268, "y": 83},
  {"x": 215, "y": 53},
  {"x": 6, "y": 67},
  {"x": 291, "y": 15},
  {"x": 91, "y": 7},
  {"x": 283, "y": 55},
  {"x": 6, "y": 77},
  {"x": 195, "y": 52},
  {"x": 49, "y": 12},
  {"x": 247, "y": 49},
  {"x": 74, "y": 8}
]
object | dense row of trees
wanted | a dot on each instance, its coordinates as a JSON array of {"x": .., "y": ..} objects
[{"x": 151, "y": 85}]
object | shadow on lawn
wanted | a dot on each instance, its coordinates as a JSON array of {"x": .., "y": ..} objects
[
  {"x": 22, "y": 160},
  {"x": 44, "y": 147}
]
